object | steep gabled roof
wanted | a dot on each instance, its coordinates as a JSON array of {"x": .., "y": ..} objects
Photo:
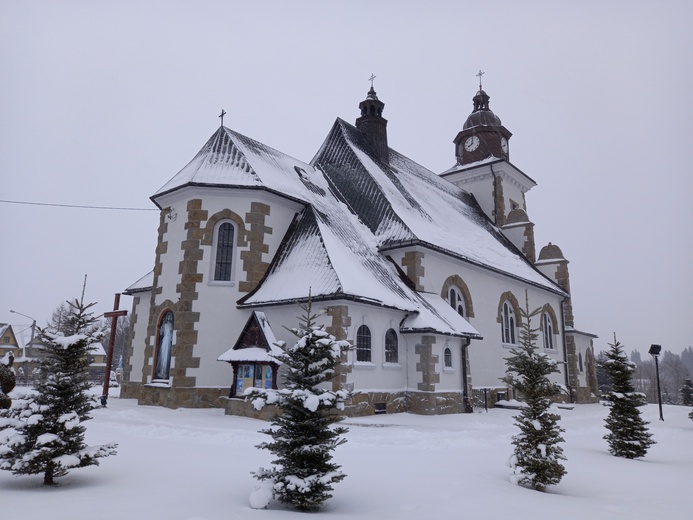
[
  {"x": 232, "y": 160},
  {"x": 328, "y": 253},
  {"x": 256, "y": 342},
  {"x": 403, "y": 202}
]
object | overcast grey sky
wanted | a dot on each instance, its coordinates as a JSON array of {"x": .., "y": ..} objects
[{"x": 102, "y": 102}]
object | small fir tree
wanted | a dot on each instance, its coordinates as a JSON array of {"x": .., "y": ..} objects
[
  {"x": 303, "y": 436},
  {"x": 537, "y": 457},
  {"x": 44, "y": 432},
  {"x": 628, "y": 435}
]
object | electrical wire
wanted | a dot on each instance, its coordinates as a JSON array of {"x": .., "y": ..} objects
[{"x": 75, "y": 206}]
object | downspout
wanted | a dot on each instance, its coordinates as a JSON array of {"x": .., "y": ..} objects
[
  {"x": 565, "y": 351},
  {"x": 465, "y": 394}
]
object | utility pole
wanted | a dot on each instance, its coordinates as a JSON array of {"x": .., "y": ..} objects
[
  {"x": 33, "y": 332},
  {"x": 111, "y": 343}
]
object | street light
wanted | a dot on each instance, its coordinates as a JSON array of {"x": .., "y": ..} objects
[
  {"x": 654, "y": 352},
  {"x": 33, "y": 329}
]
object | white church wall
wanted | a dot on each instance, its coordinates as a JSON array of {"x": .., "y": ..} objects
[
  {"x": 451, "y": 377},
  {"x": 376, "y": 374},
  {"x": 486, "y": 289},
  {"x": 220, "y": 322},
  {"x": 582, "y": 344},
  {"x": 139, "y": 334}
]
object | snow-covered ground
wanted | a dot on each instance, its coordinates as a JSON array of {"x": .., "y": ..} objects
[{"x": 195, "y": 464}]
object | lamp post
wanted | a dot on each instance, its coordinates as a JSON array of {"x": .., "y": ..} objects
[
  {"x": 654, "y": 352},
  {"x": 33, "y": 329}
]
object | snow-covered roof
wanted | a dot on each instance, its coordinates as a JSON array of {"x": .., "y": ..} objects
[
  {"x": 436, "y": 315},
  {"x": 143, "y": 284},
  {"x": 403, "y": 201},
  {"x": 355, "y": 208},
  {"x": 266, "y": 349}
]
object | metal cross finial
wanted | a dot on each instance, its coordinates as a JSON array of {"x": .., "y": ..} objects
[
  {"x": 373, "y": 76},
  {"x": 481, "y": 73},
  {"x": 221, "y": 116}
]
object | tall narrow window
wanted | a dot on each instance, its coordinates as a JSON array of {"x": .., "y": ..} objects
[
  {"x": 582, "y": 367},
  {"x": 447, "y": 357},
  {"x": 224, "y": 252},
  {"x": 508, "y": 331},
  {"x": 391, "y": 349},
  {"x": 363, "y": 344},
  {"x": 456, "y": 300},
  {"x": 547, "y": 329},
  {"x": 163, "y": 352}
]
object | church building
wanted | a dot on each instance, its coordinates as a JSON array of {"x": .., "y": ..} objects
[{"x": 423, "y": 273}]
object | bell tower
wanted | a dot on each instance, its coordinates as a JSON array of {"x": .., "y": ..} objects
[
  {"x": 373, "y": 124},
  {"x": 483, "y": 168},
  {"x": 483, "y": 135}
]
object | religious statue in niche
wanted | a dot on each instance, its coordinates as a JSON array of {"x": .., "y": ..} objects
[{"x": 163, "y": 356}]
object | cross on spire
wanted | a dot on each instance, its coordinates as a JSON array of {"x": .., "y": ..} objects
[
  {"x": 221, "y": 116},
  {"x": 479, "y": 74},
  {"x": 373, "y": 76}
]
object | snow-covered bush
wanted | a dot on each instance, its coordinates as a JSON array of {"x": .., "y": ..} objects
[
  {"x": 7, "y": 380},
  {"x": 44, "y": 431},
  {"x": 628, "y": 435},
  {"x": 302, "y": 432},
  {"x": 537, "y": 455}
]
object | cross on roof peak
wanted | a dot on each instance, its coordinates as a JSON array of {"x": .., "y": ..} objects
[
  {"x": 479, "y": 74},
  {"x": 221, "y": 116},
  {"x": 373, "y": 76}
]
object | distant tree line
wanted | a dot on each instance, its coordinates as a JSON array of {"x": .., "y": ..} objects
[{"x": 674, "y": 370}]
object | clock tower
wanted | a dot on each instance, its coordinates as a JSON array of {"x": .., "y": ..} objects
[
  {"x": 483, "y": 135},
  {"x": 483, "y": 168}
]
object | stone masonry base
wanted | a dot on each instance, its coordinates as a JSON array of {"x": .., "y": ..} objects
[{"x": 181, "y": 397}]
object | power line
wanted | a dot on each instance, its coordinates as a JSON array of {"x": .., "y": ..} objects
[{"x": 75, "y": 206}]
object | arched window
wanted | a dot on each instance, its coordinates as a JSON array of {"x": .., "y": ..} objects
[
  {"x": 223, "y": 248},
  {"x": 447, "y": 357},
  {"x": 162, "y": 364},
  {"x": 391, "y": 350},
  {"x": 582, "y": 367},
  {"x": 456, "y": 300},
  {"x": 547, "y": 329},
  {"x": 363, "y": 344},
  {"x": 508, "y": 324}
]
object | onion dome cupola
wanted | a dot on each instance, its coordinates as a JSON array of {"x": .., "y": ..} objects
[
  {"x": 483, "y": 134},
  {"x": 373, "y": 124}
]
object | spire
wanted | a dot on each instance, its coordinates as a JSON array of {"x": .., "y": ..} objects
[{"x": 373, "y": 124}]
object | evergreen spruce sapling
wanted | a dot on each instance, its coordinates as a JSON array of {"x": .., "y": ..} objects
[
  {"x": 537, "y": 457},
  {"x": 628, "y": 435},
  {"x": 303, "y": 436},
  {"x": 44, "y": 431}
]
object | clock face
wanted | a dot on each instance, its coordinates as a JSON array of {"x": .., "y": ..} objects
[
  {"x": 504, "y": 145},
  {"x": 471, "y": 144}
]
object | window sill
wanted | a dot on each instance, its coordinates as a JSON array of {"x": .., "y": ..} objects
[
  {"x": 449, "y": 370},
  {"x": 510, "y": 345},
  {"x": 218, "y": 283},
  {"x": 364, "y": 364},
  {"x": 392, "y": 366},
  {"x": 158, "y": 384}
]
